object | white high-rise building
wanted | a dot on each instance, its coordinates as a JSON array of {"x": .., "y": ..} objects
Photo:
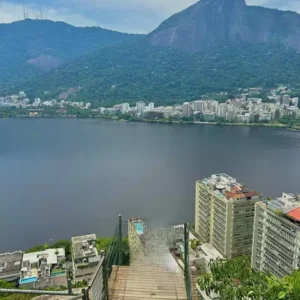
[
  {"x": 151, "y": 105},
  {"x": 199, "y": 105},
  {"x": 186, "y": 109},
  {"x": 125, "y": 108},
  {"x": 214, "y": 106},
  {"x": 140, "y": 107},
  {"x": 231, "y": 115},
  {"x": 276, "y": 235},
  {"x": 222, "y": 109}
]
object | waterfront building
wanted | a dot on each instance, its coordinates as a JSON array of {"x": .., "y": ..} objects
[
  {"x": 231, "y": 115},
  {"x": 125, "y": 108},
  {"x": 209, "y": 116},
  {"x": 140, "y": 107},
  {"x": 222, "y": 109},
  {"x": 151, "y": 105},
  {"x": 186, "y": 109},
  {"x": 224, "y": 214},
  {"x": 276, "y": 235},
  {"x": 198, "y": 105}
]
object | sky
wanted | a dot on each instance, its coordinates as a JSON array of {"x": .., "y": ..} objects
[{"x": 135, "y": 16}]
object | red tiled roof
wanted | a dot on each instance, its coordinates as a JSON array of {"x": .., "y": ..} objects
[
  {"x": 294, "y": 214},
  {"x": 240, "y": 194},
  {"x": 234, "y": 195}
]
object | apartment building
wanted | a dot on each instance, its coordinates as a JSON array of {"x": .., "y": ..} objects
[
  {"x": 224, "y": 214},
  {"x": 276, "y": 235}
]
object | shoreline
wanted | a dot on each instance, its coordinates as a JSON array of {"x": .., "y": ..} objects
[{"x": 166, "y": 122}]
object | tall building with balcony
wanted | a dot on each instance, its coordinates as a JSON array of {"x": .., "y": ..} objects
[
  {"x": 224, "y": 214},
  {"x": 276, "y": 235}
]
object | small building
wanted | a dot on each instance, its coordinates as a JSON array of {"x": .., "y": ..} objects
[
  {"x": 85, "y": 256},
  {"x": 10, "y": 265},
  {"x": 40, "y": 268},
  {"x": 84, "y": 250}
]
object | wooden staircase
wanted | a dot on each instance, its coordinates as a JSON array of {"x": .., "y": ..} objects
[{"x": 148, "y": 277}]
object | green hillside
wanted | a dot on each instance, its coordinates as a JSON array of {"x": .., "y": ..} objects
[{"x": 140, "y": 71}]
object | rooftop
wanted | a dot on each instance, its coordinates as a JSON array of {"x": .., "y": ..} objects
[
  {"x": 50, "y": 255},
  {"x": 228, "y": 188},
  {"x": 84, "y": 246},
  {"x": 285, "y": 203},
  {"x": 36, "y": 266},
  {"x": 294, "y": 214},
  {"x": 287, "y": 206},
  {"x": 10, "y": 264},
  {"x": 209, "y": 252}
]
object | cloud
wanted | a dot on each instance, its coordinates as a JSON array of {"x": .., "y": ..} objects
[{"x": 140, "y": 16}]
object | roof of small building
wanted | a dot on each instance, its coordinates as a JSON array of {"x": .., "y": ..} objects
[
  {"x": 10, "y": 264},
  {"x": 50, "y": 255},
  {"x": 82, "y": 246},
  {"x": 294, "y": 214}
]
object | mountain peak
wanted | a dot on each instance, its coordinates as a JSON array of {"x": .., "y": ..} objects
[{"x": 210, "y": 23}]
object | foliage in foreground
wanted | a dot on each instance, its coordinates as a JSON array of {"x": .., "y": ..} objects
[{"x": 235, "y": 280}]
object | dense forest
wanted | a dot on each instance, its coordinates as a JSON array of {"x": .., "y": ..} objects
[{"x": 135, "y": 71}]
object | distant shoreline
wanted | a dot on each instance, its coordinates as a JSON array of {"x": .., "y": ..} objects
[{"x": 138, "y": 120}]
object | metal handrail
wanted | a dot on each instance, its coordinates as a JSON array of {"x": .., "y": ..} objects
[
  {"x": 39, "y": 292},
  {"x": 96, "y": 272}
]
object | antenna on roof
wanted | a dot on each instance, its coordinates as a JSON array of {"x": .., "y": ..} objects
[{"x": 24, "y": 12}]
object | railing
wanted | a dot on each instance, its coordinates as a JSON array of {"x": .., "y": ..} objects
[
  {"x": 187, "y": 274},
  {"x": 82, "y": 295},
  {"x": 101, "y": 285},
  {"x": 98, "y": 287}
]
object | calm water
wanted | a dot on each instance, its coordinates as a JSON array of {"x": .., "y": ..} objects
[{"x": 60, "y": 178}]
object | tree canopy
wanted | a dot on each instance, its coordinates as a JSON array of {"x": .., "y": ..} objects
[
  {"x": 139, "y": 71},
  {"x": 236, "y": 280}
]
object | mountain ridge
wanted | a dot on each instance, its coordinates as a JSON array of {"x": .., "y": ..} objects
[
  {"x": 30, "y": 47},
  {"x": 209, "y": 23},
  {"x": 212, "y": 46}
]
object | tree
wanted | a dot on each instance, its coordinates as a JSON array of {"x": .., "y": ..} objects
[{"x": 236, "y": 280}]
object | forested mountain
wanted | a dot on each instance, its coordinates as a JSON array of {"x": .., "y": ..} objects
[
  {"x": 141, "y": 71},
  {"x": 31, "y": 47},
  {"x": 212, "y": 46}
]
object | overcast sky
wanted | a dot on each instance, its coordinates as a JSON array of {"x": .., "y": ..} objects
[{"x": 140, "y": 16}]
